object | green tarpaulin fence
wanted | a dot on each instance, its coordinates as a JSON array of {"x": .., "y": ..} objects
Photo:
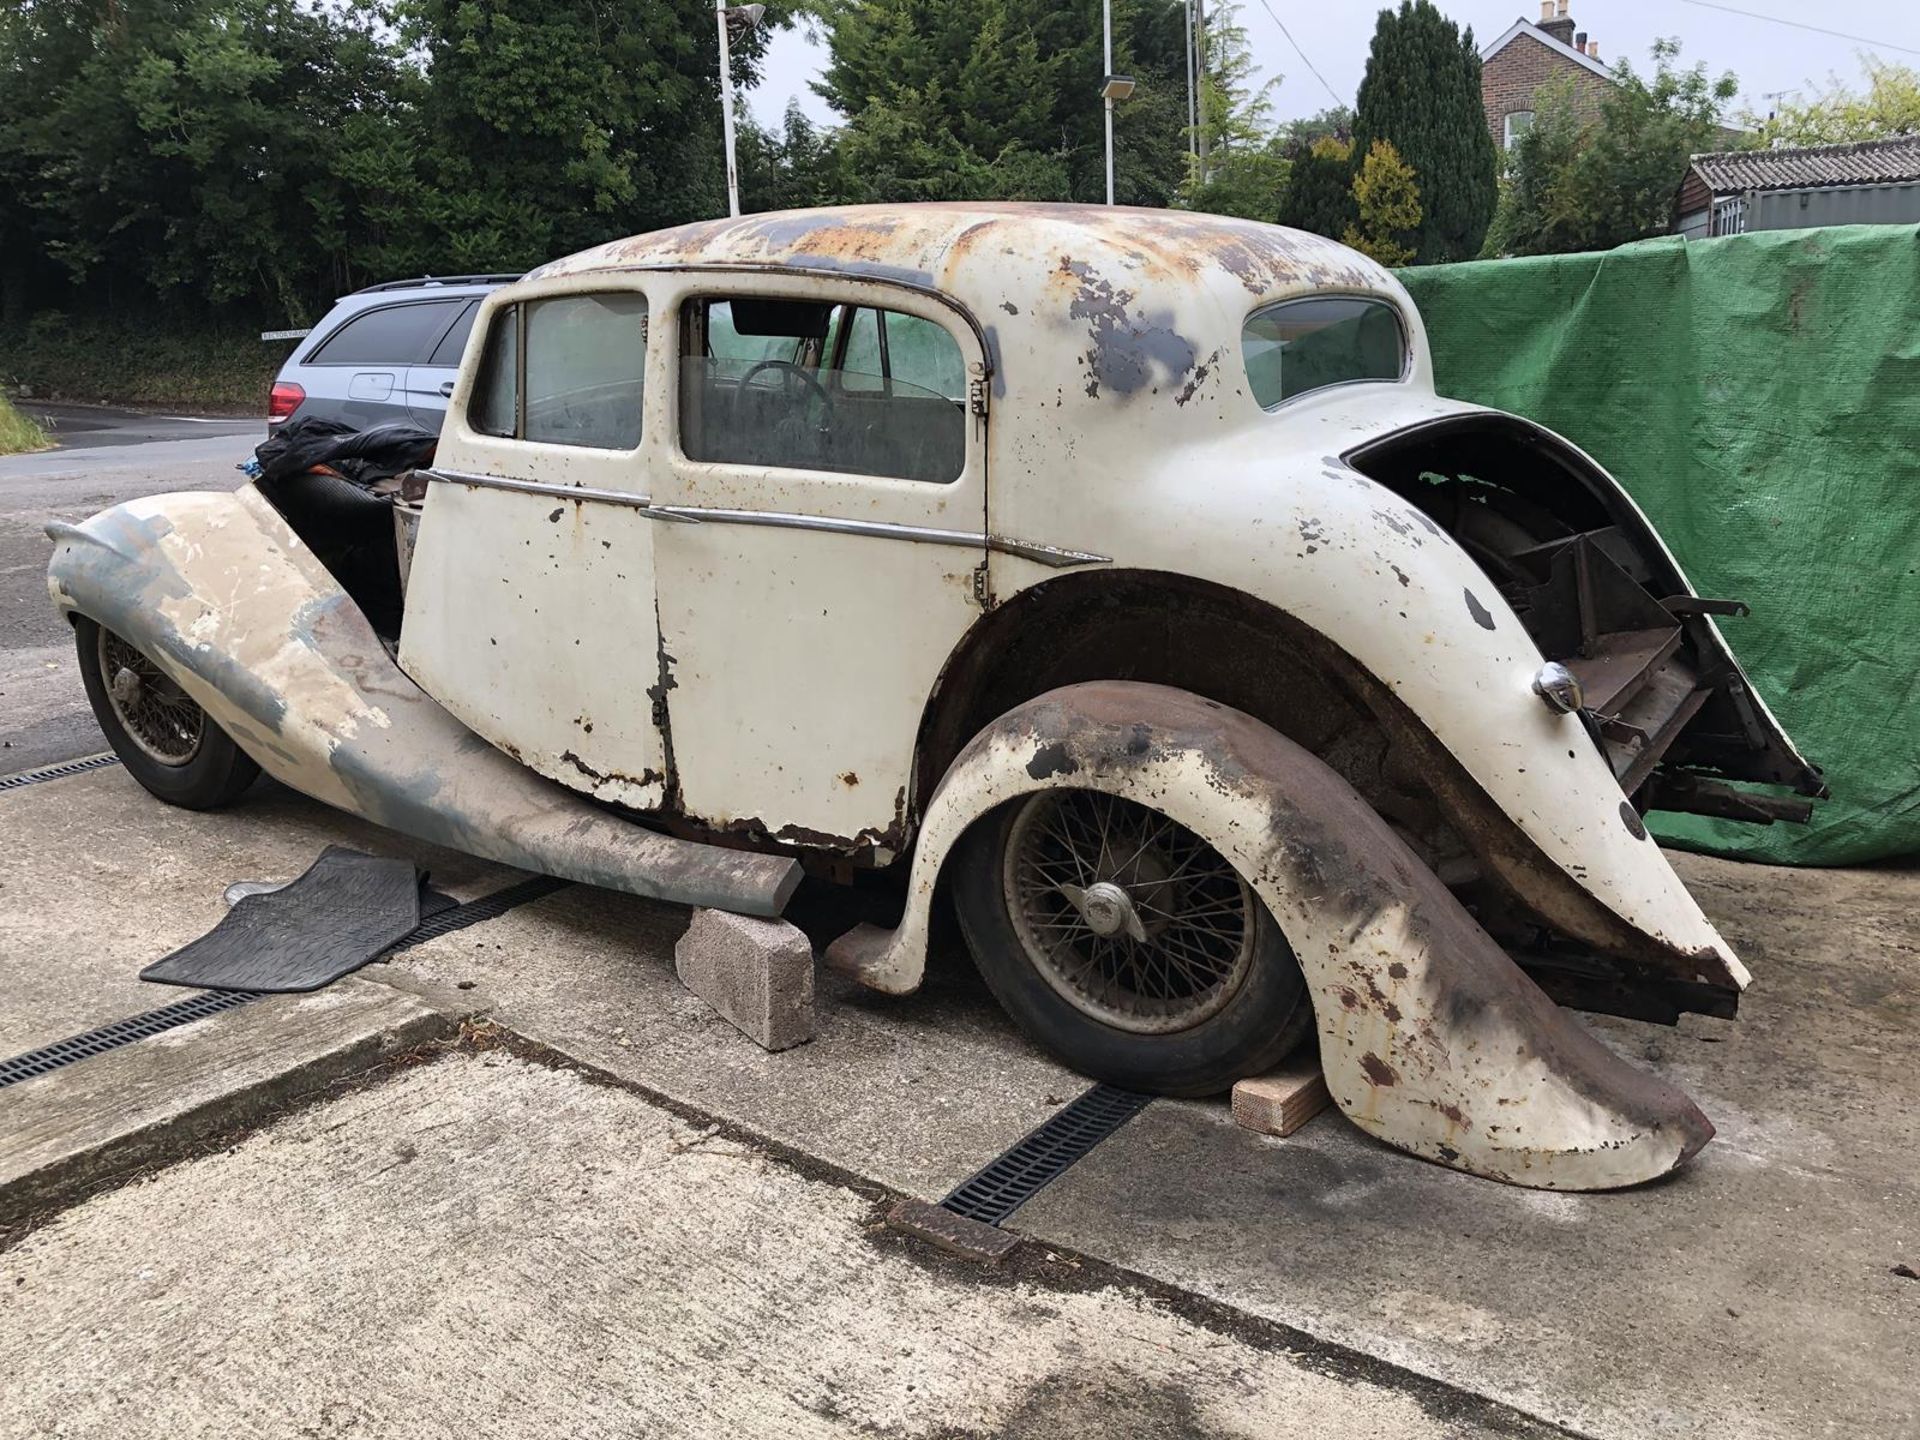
[{"x": 1759, "y": 396}]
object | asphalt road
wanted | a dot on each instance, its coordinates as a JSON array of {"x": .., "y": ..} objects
[{"x": 103, "y": 457}]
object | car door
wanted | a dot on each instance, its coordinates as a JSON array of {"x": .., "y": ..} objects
[
  {"x": 359, "y": 371},
  {"x": 840, "y": 538},
  {"x": 429, "y": 385},
  {"x": 530, "y": 600}
]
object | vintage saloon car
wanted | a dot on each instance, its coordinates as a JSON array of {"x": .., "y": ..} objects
[{"x": 1118, "y": 570}]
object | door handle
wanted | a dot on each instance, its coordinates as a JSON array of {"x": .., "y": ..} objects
[{"x": 446, "y": 388}]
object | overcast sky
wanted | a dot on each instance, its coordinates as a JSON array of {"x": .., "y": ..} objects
[{"x": 1766, "y": 56}]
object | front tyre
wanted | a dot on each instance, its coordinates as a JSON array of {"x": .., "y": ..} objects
[
  {"x": 163, "y": 738},
  {"x": 1126, "y": 945}
]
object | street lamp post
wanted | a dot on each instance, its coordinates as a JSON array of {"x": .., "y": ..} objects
[
  {"x": 746, "y": 16},
  {"x": 1114, "y": 87}
]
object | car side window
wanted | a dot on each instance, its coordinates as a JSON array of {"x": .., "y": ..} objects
[
  {"x": 1309, "y": 344},
  {"x": 565, "y": 371},
  {"x": 495, "y": 407},
  {"x": 827, "y": 396},
  {"x": 387, "y": 335},
  {"x": 453, "y": 344}
]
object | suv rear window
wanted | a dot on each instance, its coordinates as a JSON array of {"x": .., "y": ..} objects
[
  {"x": 1309, "y": 344},
  {"x": 389, "y": 335}
]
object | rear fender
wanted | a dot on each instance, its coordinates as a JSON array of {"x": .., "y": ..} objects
[{"x": 1431, "y": 1038}]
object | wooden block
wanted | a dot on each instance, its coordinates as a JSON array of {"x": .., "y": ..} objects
[{"x": 1281, "y": 1101}]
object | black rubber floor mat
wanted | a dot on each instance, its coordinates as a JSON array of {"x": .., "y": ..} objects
[{"x": 344, "y": 912}]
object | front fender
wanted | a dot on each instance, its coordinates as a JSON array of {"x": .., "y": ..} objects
[
  {"x": 1430, "y": 1037},
  {"x": 218, "y": 591}
]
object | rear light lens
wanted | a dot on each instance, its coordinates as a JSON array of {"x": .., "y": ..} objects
[{"x": 283, "y": 400}]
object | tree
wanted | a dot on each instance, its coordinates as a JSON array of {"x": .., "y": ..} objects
[
  {"x": 1422, "y": 92},
  {"x": 785, "y": 170},
  {"x": 1319, "y": 192},
  {"x": 1387, "y": 202},
  {"x": 204, "y": 151},
  {"x": 550, "y": 125},
  {"x": 952, "y": 99},
  {"x": 1246, "y": 167},
  {"x": 1838, "y": 114},
  {"x": 1575, "y": 187}
]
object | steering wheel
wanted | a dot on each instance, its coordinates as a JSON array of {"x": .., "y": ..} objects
[{"x": 788, "y": 372}]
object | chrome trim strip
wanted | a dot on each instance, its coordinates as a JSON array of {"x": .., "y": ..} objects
[
  {"x": 564, "y": 492},
  {"x": 1049, "y": 555}
]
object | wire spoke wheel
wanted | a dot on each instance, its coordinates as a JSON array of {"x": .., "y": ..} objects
[
  {"x": 1132, "y": 918},
  {"x": 156, "y": 714}
]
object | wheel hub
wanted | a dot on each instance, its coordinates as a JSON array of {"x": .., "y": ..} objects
[
  {"x": 152, "y": 711},
  {"x": 1107, "y": 908},
  {"x": 126, "y": 687}
]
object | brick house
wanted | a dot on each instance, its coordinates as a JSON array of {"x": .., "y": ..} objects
[{"x": 1514, "y": 67}]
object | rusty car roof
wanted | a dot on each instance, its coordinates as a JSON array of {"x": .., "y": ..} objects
[{"x": 983, "y": 252}]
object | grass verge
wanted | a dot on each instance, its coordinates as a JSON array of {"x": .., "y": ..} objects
[{"x": 18, "y": 434}]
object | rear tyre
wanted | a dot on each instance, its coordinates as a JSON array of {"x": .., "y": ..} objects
[
  {"x": 1126, "y": 945},
  {"x": 165, "y": 740}
]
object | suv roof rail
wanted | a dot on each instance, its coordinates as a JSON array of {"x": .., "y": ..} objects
[{"x": 424, "y": 280}]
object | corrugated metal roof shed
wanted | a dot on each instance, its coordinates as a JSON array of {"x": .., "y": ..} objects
[{"x": 1866, "y": 162}]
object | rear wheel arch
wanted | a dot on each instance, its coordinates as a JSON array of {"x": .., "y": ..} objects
[
  {"x": 1161, "y": 628},
  {"x": 1237, "y": 650}
]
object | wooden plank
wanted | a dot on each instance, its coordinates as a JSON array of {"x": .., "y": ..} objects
[{"x": 1281, "y": 1101}]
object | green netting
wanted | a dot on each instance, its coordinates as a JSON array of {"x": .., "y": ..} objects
[{"x": 1760, "y": 397}]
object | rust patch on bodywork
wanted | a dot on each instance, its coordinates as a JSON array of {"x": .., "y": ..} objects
[{"x": 1127, "y": 348}]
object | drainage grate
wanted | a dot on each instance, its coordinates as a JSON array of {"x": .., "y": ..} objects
[
  {"x": 58, "y": 772},
  {"x": 212, "y": 1002},
  {"x": 1043, "y": 1156},
  {"x": 121, "y": 1032},
  {"x": 487, "y": 907}
]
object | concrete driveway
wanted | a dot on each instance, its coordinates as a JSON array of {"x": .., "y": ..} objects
[{"x": 520, "y": 1180}]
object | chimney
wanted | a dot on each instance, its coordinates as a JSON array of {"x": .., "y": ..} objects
[
  {"x": 1546, "y": 11},
  {"x": 1593, "y": 49},
  {"x": 1560, "y": 26},
  {"x": 1580, "y": 42}
]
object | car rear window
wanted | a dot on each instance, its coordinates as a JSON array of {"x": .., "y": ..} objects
[
  {"x": 1302, "y": 345},
  {"x": 389, "y": 335}
]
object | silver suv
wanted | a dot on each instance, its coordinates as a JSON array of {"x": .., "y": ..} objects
[{"x": 388, "y": 352}]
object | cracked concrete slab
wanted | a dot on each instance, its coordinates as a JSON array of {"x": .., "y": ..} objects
[{"x": 483, "y": 1247}]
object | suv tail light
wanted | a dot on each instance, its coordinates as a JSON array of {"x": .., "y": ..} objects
[{"x": 283, "y": 400}]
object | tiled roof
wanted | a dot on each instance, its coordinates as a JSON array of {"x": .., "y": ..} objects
[{"x": 1867, "y": 162}]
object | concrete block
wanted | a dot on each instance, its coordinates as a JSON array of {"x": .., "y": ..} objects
[
  {"x": 757, "y": 973},
  {"x": 1281, "y": 1101}
]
